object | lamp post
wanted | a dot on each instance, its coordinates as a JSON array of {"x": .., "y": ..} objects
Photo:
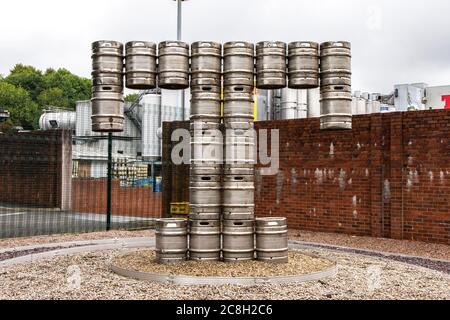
[{"x": 179, "y": 25}]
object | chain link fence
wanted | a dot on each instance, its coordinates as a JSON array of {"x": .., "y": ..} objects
[{"x": 49, "y": 186}]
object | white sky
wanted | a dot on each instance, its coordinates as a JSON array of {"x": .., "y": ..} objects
[{"x": 394, "y": 41}]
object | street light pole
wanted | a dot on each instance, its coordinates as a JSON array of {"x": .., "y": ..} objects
[
  {"x": 179, "y": 19},
  {"x": 179, "y": 24}
]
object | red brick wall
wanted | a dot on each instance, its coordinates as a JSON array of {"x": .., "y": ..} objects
[
  {"x": 389, "y": 176},
  {"x": 32, "y": 168},
  {"x": 89, "y": 196}
]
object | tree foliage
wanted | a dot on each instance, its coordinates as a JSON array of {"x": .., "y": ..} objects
[
  {"x": 24, "y": 111},
  {"x": 131, "y": 97},
  {"x": 53, "y": 97},
  {"x": 27, "y": 90}
]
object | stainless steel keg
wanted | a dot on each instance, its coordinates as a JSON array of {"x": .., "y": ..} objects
[
  {"x": 238, "y": 240},
  {"x": 140, "y": 66},
  {"x": 303, "y": 65},
  {"x": 171, "y": 240},
  {"x": 272, "y": 240},
  {"x": 173, "y": 66},
  {"x": 271, "y": 65},
  {"x": 204, "y": 240}
]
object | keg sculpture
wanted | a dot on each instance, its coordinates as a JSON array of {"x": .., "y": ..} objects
[{"x": 107, "y": 91}]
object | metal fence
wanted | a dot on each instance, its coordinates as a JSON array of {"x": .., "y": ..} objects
[{"x": 46, "y": 187}]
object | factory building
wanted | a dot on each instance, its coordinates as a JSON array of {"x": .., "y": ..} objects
[{"x": 140, "y": 143}]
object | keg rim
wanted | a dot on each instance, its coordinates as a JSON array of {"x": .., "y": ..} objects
[
  {"x": 173, "y": 43},
  {"x": 146, "y": 44},
  {"x": 334, "y": 44},
  {"x": 301, "y": 44},
  {"x": 238, "y": 44},
  {"x": 106, "y": 44},
  {"x": 202, "y": 44},
  {"x": 271, "y": 44}
]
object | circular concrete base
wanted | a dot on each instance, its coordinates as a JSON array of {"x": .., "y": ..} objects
[{"x": 134, "y": 272}]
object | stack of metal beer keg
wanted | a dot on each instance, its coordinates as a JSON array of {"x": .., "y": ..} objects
[
  {"x": 140, "y": 66},
  {"x": 271, "y": 238},
  {"x": 107, "y": 90},
  {"x": 238, "y": 179},
  {"x": 222, "y": 211},
  {"x": 335, "y": 81},
  {"x": 206, "y": 152}
]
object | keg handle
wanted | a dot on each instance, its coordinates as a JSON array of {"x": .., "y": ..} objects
[
  {"x": 340, "y": 88},
  {"x": 238, "y": 89},
  {"x": 206, "y": 88},
  {"x": 204, "y": 223},
  {"x": 206, "y": 178},
  {"x": 106, "y": 88},
  {"x": 237, "y": 223},
  {"x": 139, "y": 44},
  {"x": 305, "y": 44},
  {"x": 238, "y": 178},
  {"x": 338, "y": 44}
]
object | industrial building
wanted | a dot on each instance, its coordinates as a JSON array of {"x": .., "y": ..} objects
[
  {"x": 140, "y": 142},
  {"x": 4, "y": 114}
]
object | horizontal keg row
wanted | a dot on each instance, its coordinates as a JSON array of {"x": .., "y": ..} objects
[
  {"x": 205, "y": 65},
  {"x": 265, "y": 239},
  {"x": 177, "y": 65}
]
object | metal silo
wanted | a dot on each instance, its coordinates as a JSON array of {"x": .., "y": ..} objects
[
  {"x": 314, "y": 103},
  {"x": 151, "y": 121},
  {"x": 288, "y": 103}
]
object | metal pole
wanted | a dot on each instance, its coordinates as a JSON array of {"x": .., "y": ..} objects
[
  {"x": 179, "y": 23},
  {"x": 109, "y": 185}
]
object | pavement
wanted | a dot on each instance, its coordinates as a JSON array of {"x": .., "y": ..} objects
[{"x": 26, "y": 222}]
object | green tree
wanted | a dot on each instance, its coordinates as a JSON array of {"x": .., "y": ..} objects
[
  {"x": 24, "y": 111},
  {"x": 53, "y": 97},
  {"x": 6, "y": 126},
  {"x": 28, "y": 78},
  {"x": 74, "y": 88},
  {"x": 131, "y": 97}
]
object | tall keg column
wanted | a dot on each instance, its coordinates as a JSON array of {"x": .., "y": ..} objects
[
  {"x": 107, "y": 90},
  {"x": 335, "y": 85},
  {"x": 238, "y": 180},
  {"x": 206, "y": 151}
]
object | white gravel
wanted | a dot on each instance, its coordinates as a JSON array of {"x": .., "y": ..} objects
[{"x": 86, "y": 276}]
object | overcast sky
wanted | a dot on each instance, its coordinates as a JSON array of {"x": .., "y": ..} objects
[{"x": 394, "y": 41}]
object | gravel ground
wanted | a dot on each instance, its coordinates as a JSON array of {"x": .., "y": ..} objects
[
  {"x": 299, "y": 263},
  {"x": 429, "y": 250},
  {"x": 437, "y": 265},
  {"x": 359, "y": 277},
  {"x": 14, "y": 254},
  {"x": 18, "y": 242}
]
